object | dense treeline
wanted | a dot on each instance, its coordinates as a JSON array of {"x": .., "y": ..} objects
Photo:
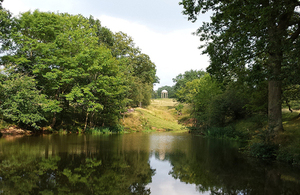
[
  {"x": 215, "y": 104},
  {"x": 238, "y": 110},
  {"x": 69, "y": 72},
  {"x": 252, "y": 43},
  {"x": 253, "y": 72}
]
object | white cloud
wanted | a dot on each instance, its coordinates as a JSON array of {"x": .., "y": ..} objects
[
  {"x": 173, "y": 53},
  {"x": 20, "y": 6}
]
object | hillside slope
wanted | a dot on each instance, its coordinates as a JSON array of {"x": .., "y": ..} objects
[{"x": 159, "y": 116}]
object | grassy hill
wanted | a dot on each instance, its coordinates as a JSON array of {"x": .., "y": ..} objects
[{"x": 159, "y": 116}]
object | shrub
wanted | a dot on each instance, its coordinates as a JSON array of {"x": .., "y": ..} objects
[
  {"x": 98, "y": 130},
  {"x": 225, "y": 132},
  {"x": 263, "y": 150},
  {"x": 290, "y": 154}
]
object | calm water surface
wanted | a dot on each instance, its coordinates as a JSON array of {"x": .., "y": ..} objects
[{"x": 154, "y": 163}]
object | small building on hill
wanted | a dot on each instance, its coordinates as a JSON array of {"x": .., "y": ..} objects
[{"x": 164, "y": 94}]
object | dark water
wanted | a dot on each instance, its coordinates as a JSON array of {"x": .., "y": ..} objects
[{"x": 155, "y": 163}]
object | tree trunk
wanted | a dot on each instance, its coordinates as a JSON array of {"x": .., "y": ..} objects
[
  {"x": 274, "y": 97},
  {"x": 274, "y": 84},
  {"x": 54, "y": 114},
  {"x": 274, "y": 107},
  {"x": 86, "y": 120},
  {"x": 53, "y": 120}
]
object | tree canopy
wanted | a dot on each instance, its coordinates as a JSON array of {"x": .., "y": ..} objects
[
  {"x": 87, "y": 74},
  {"x": 181, "y": 80},
  {"x": 251, "y": 39}
]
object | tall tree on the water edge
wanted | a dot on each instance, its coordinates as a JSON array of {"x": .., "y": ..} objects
[{"x": 257, "y": 36}]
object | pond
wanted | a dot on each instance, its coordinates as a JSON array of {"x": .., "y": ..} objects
[{"x": 137, "y": 163}]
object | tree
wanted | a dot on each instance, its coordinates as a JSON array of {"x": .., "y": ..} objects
[
  {"x": 139, "y": 70},
  {"x": 181, "y": 80},
  {"x": 200, "y": 93},
  {"x": 5, "y": 26},
  {"x": 71, "y": 65},
  {"x": 92, "y": 73},
  {"x": 243, "y": 33},
  {"x": 22, "y": 103},
  {"x": 190, "y": 75}
]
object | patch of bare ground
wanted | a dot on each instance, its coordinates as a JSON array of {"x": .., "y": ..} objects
[{"x": 13, "y": 131}]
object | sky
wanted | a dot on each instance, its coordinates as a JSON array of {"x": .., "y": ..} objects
[{"x": 157, "y": 27}]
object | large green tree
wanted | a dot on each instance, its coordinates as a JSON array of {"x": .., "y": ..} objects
[
  {"x": 259, "y": 36},
  {"x": 5, "y": 26},
  {"x": 66, "y": 56},
  {"x": 92, "y": 73},
  {"x": 139, "y": 70}
]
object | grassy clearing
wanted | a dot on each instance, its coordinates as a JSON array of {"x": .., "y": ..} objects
[
  {"x": 159, "y": 116},
  {"x": 289, "y": 140}
]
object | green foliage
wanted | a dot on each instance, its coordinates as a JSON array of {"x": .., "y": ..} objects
[
  {"x": 200, "y": 93},
  {"x": 23, "y": 103},
  {"x": 139, "y": 71},
  {"x": 86, "y": 74},
  {"x": 245, "y": 43},
  {"x": 179, "y": 107},
  {"x": 181, "y": 80},
  {"x": 228, "y": 132},
  {"x": 6, "y": 22},
  {"x": 290, "y": 154},
  {"x": 105, "y": 130},
  {"x": 263, "y": 150},
  {"x": 291, "y": 97}
]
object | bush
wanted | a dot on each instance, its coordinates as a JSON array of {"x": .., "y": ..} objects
[
  {"x": 225, "y": 132},
  {"x": 179, "y": 108},
  {"x": 98, "y": 130},
  {"x": 263, "y": 150},
  {"x": 117, "y": 128},
  {"x": 105, "y": 130},
  {"x": 290, "y": 154}
]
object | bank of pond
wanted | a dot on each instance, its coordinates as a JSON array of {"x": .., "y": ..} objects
[{"x": 137, "y": 163}]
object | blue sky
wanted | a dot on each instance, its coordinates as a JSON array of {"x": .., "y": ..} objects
[{"x": 157, "y": 27}]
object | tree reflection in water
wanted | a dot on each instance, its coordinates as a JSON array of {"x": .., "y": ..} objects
[
  {"x": 96, "y": 168},
  {"x": 220, "y": 169},
  {"x": 161, "y": 163}
]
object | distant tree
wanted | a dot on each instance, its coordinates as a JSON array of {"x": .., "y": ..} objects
[
  {"x": 181, "y": 80},
  {"x": 251, "y": 37}
]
